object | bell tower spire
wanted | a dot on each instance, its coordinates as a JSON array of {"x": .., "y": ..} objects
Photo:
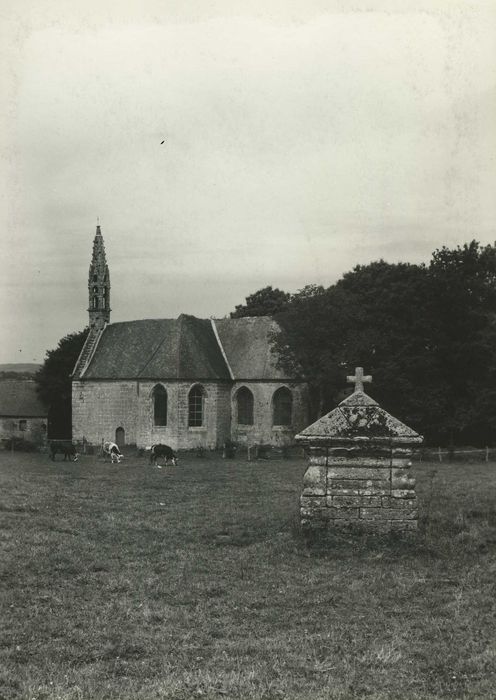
[{"x": 99, "y": 284}]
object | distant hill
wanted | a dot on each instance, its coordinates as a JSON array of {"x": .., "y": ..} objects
[{"x": 19, "y": 368}]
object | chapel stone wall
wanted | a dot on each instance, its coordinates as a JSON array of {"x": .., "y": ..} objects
[
  {"x": 177, "y": 433},
  {"x": 99, "y": 408},
  {"x": 263, "y": 431}
]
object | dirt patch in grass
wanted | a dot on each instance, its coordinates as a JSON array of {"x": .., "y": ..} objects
[{"x": 125, "y": 581}]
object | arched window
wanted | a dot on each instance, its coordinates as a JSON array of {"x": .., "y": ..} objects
[
  {"x": 159, "y": 395},
  {"x": 95, "y": 302},
  {"x": 282, "y": 402},
  {"x": 196, "y": 400},
  {"x": 244, "y": 402}
]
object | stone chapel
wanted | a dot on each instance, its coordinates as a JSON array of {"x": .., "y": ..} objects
[{"x": 186, "y": 382}]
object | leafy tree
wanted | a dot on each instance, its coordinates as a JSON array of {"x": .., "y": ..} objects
[
  {"x": 463, "y": 303},
  {"x": 265, "y": 302},
  {"x": 54, "y": 383},
  {"x": 387, "y": 332},
  {"x": 369, "y": 319},
  {"x": 427, "y": 334},
  {"x": 308, "y": 345}
]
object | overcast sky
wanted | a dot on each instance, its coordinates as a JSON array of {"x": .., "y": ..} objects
[{"x": 301, "y": 138}]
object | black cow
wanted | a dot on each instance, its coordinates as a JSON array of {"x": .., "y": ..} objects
[
  {"x": 65, "y": 447},
  {"x": 162, "y": 451}
]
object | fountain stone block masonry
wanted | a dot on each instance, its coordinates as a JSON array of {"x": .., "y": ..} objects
[{"x": 359, "y": 468}]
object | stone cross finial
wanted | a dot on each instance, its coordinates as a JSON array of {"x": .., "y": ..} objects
[{"x": 359, "y": 379}]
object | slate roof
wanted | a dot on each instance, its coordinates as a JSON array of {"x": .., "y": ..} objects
[
  {"x": 358, "y": 416},
  {"x": 18, "y": 398},
  {"x": 246, "y": 342},
  {"x": 186, "y": 348},
  {"x": 182, "y": 348}
]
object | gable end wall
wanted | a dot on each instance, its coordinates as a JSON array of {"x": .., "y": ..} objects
[{"x": 99, "y": 408}]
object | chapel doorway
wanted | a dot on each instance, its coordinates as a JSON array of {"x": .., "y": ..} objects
[{"x": 120, "y": 437}]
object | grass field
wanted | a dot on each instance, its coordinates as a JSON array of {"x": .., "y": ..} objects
[{"x": 131, "y": 582}]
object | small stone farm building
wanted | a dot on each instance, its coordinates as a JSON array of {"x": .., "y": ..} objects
[
  {"x": 22, "y": 414},
  {"x": 187, "y": 382}
]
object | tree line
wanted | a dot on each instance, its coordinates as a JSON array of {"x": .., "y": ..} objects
[
  {"x": 427, "y": 334},
  {"x": 54, "y": 383}
]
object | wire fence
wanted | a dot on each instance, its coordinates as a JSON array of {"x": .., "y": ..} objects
[
  {"x": 462, "y": 454},
  {"x": 267, "y": 451}
]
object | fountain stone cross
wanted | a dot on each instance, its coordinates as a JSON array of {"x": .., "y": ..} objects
[{"x": 359, "y": 379}]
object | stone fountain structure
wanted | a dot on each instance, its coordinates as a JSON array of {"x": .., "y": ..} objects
[{"x": 359, "y": 468}]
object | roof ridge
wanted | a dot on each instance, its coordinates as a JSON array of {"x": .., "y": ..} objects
[
  {"x": 78, "y": 364},
  {"x": 199, "y": 334},
  {"x": 217, "y": 337},
  {"x": 92, "y": 350},
  {"x": 139, "y": 320}
]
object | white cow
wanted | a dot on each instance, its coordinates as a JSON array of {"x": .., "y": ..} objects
[{"x": 110, "y": 449}]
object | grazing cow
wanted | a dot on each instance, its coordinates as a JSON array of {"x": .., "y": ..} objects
[
  {"x": 65, "y": 447},
  {"x": 110, "y": 449},
  {"x": 162, "y": 451}
]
